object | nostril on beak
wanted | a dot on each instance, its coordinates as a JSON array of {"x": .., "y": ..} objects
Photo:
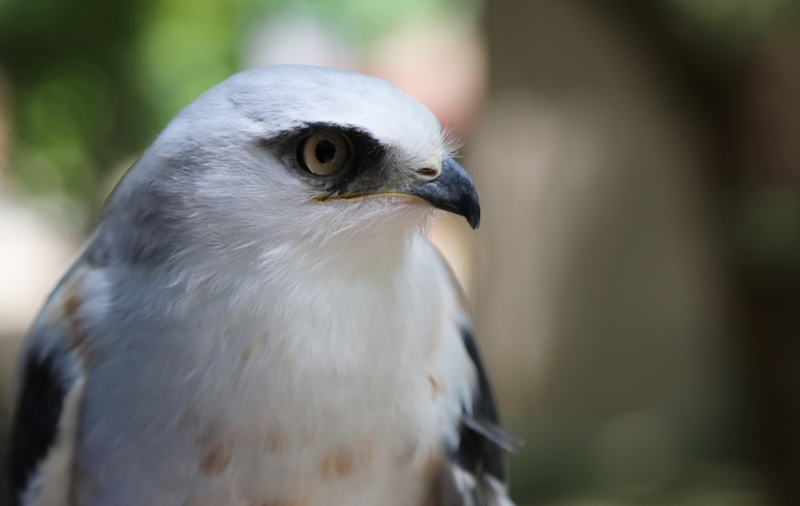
[{"x": 427, "y": 172}]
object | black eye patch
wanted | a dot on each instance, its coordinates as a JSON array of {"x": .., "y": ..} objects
[{"x": 368, "y": 159}]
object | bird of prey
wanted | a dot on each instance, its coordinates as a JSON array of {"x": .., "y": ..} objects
[{"x": 259, "y": 319}]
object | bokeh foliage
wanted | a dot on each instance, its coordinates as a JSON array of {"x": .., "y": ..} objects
[{"x": 76, "y": 105}]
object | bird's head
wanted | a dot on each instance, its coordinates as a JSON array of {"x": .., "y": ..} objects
[{"x": 292, "y": 153}]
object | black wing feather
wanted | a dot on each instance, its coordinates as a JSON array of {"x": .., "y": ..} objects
[
  {"x": 481, "y": 450},
  {"x": 35, "y": 423},
  {"x": 483, "y": 442}
]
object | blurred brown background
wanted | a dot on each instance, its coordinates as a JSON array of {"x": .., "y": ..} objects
[{"x": 636, "y": 279}]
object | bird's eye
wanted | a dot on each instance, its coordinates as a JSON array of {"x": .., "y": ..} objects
[{"x": 324, "y": 153}]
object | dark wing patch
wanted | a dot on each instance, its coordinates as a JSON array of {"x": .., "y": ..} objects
[
  {"x": 483, "y": 441},
  {"x": 35, "y": 424},
  {"x": 477, "y": 471},
  {"x": 476, "y": 453}
]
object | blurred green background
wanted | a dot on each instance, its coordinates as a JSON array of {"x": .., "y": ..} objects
[{"x": 636, "y": 281}]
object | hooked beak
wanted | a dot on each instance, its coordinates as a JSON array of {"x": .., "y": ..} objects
[{"x": 451, "y": 191}]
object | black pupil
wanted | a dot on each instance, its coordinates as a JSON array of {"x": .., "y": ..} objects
[{"x": 325, "y": 152}]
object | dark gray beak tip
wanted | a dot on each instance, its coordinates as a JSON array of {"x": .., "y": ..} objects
[
  {"x": 468, "y": 205},
  {"x": 452, "y": 191},
  {"x": 474, "y": 219}
]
